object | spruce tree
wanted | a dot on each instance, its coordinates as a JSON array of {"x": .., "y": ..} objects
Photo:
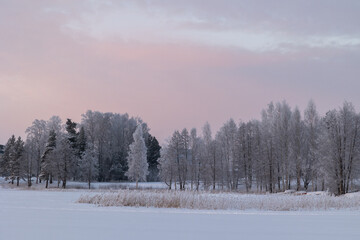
[
  {"x": 9, "y": 153},
  {"x": 153, "y": 154},
  {"x": 17, "y": 170}
]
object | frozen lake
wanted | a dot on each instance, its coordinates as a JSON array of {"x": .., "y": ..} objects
[{"x": 33, "y": 214}]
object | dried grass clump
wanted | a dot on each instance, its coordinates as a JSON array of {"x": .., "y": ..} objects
[{"x": 221, "y": 201}]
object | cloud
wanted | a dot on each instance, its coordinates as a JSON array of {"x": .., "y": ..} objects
[
  {"x": 175, "y": 64},
  {"x": 273, "y": 29}
]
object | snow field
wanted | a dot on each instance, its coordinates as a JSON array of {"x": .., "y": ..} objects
[{"x": 55, "y": 215}]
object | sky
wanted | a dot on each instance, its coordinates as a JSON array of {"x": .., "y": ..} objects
[{"x": 175, "y": 64}]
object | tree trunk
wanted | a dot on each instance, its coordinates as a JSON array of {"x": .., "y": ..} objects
[
  {"x": 38, "y": 168},
  {"x": 298, "y": 177},
  {"x": 29, "y": 172},
  {"x": 65, "y": 175},
  {"x": 29, "y": 181}
]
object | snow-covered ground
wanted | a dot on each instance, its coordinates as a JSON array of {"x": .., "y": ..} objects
[{"x": 52, "y": 214}]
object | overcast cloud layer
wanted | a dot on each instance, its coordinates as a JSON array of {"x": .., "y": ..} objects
[{"x": 174, "y": 63}]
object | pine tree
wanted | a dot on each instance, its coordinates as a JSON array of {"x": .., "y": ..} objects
[
  {"x": 9, "y": 153},
  {"x": 81, "y": 142},
  {"x": 47, "y": 158},
  {"x": 153, "y": 154},
  {"x": 2, "y": 147},
  {"x": 17, "y": 170},
  {"x": 73, "y": 155},
  {"x": 138, "y": 166},
  {"x": 71, "y": 130}
]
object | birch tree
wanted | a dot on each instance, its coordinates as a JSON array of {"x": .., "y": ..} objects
[{"x": 341, "y": 148}]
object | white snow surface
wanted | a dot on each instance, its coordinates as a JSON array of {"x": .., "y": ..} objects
[{"x": 53, "y": 214}]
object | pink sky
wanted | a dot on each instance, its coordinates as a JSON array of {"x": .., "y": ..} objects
[{"x": 174, "y": 64}]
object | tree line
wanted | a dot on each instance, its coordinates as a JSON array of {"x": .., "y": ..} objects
[
  {"x": 97, "y": 149},
  {"x": 284, "y": 150}
]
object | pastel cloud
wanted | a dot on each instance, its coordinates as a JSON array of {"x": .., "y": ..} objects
[
  {"x": 132, "y": 21},
  {"x": 175, "y": 64}
]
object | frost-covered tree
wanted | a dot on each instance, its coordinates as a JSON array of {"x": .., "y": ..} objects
[
  {"x": 230, "y": 163},
  {"x": 55, "y": 124},
  {"x": 184, "y": 158},
  {"x": 88, "y": 164},
  {"x": 37, "y": 137},
  {"x": 178, "y": 150},
  {"x": 167, "y": 166},
  {"x": 137, "y": 160},
  {"x": 341, "y": 145},
  {"x": 311, "y": 168},
  {"x": 29, "y": 153},
  {"x": 111, "y": 134},
  {"x": 210, "y": 157},
  {"x": 247, "y": 150},
  {"x": 268, "y": 146},
  {"x": 296, "y": 145},
  {"x": 281, "y": 135},
  {"x": 194, "y": 159}
]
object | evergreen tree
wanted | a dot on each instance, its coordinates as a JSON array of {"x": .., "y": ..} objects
[
  {"x": 16, "y": 165},
  {"x": 67, "y": 167},
  {"x": 138, "y": 166},
  {"x": 11, "y": 165},
  {"x": 9, "y": 153},
  {"x": 47, "y": 158},
  {"x": 71, "y": 129},
  {"x": 81, "y": 142},
  {"x": 74, "y": 152},
  {"x": 153, "y": 154},
  {"x": 2, "y": 147}
]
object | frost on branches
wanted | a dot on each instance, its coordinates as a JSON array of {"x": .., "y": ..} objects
[{"x": 137, "y": 161}]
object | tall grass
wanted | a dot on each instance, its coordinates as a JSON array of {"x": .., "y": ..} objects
[{"x": 223, "y": 201}]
